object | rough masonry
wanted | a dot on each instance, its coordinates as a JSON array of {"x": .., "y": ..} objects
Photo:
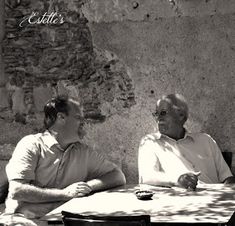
[{"x": 118, "y": 57}]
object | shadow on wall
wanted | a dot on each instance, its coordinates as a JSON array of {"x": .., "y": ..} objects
[{"x": 217, "y": 123}]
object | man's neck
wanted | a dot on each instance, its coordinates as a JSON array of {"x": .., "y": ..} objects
[
  {"x": 59, "y": 138},
  {"x": 179, "y": 134}
]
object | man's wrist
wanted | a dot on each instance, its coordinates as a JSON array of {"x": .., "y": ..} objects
[
  {"x": 174, "y": 180},
  {"x": 94, "y": 184}
]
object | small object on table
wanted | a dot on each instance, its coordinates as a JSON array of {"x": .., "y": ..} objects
[
  {"x": 191, "y": 189},
  {"x": 144, "y": 194}
]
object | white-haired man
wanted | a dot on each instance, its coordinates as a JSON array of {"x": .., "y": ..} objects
[{"x": 175, "y": 157}]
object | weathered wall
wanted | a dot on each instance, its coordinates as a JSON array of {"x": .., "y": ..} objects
[
  {"x": 119, "y": 57},
  {"x": 186, "y": 47},
  {"x": 42, "y": 60}
]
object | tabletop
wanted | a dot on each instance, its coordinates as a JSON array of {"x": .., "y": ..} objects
[{"x": 210, "y": 203}]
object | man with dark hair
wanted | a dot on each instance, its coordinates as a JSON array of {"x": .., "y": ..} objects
[
  {"x": 49, "y": 168},
  {"x": 175, "y": 157}
]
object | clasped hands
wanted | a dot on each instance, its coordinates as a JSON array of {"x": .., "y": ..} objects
[
  {"x": 78, "y": 189},
  {"x": 189, "y": 180}
]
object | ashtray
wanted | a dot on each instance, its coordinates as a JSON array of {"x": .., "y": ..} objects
[{"x": 144, "y": 194}]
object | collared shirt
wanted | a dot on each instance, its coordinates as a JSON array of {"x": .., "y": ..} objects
[
  {"x": 40, "y": 159},
  {"x": 195, "y": 152}
]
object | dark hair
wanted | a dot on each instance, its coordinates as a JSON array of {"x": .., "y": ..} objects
[{"x": 53, "y": 106}]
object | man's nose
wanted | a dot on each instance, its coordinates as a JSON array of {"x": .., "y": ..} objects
[
  {"x": 82, "y": 123},
  {"x": 160, "y": 117}
]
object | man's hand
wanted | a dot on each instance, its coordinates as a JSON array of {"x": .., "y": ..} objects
[
  {"x": 230, "y": 180},
  {"x": 189, "y": 180},
  {"x": 77, "y": 189}
]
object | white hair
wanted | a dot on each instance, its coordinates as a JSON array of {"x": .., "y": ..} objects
[{"x": 178, "y": 102}]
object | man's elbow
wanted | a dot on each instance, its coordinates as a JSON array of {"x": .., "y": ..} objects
[
  {"x": 120, "y": 177},
  {"x": 147, "y": 181},
  {"x": 15, "y": 188},
  {"x": 123, "y": 178}
]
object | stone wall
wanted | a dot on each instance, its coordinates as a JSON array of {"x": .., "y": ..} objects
[
  {"x": 118, "y": 57},
  {"x": 42, "y": 60}
]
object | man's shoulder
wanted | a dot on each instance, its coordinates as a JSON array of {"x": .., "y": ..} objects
[
  {"x": 30, "y": 138},
  {"x": 151, "y": 137},
  {"x": 28, "y": 143},
  {"x": 199, "y": 136}
]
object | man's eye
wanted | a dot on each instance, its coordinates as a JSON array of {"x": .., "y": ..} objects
[
  {"x": 163, "y": 113},
  {"x": 155, "y": 114},
  {"x": 78, "y": 117}
]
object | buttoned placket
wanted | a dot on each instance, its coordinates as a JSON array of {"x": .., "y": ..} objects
[
  {"x": 59, "y": 167},
  {"x": 177, "y": 146},
  {"x": 63, "y": 155}
]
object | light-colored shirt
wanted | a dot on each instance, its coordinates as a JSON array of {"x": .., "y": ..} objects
[
  {"x": 40, "y": 159},
  {"x": 195, "y": 152}
]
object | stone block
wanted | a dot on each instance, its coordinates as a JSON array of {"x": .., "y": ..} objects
[
  {"x": 4, "y": 103},
  {"x": 18, "y": 105},
  {"x": 6, "y": 151},
  {"x": 2, "y": 20},
  {"x": 2, "y": 73},
  {"x": 51, "y": 58},
  {"x": 41, "y": 95}
]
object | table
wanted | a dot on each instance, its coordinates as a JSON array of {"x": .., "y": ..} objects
[{"x": 210, "y": 203}]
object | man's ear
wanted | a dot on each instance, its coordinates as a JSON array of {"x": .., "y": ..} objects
[
  {"x": 182, "y": 117},
  {"x": 60, "y": 117}
]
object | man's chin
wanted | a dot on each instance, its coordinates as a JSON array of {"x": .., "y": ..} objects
[
  {"x": 81, "y": 135},
  {"x": 77, "y": 140},
  {"x": 162, "y": 128}
]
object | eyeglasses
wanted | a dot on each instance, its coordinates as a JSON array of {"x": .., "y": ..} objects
[
  {"x": 156, "y": 114},
  {"x": 80, "y": 118}
]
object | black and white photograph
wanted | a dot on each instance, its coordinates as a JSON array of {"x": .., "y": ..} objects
[{"x": 117, "y": 112}]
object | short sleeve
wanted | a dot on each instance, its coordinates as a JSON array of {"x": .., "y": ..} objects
[
  {"x": 98, "y": 165},
  {"x": 148, "y": 162},
  {"x": 24, "y": 160},
  {"x": 223, "y": 170}
]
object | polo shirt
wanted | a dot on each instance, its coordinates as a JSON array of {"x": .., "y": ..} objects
[
  {"x": 195, "y": 152},
  {"x": 40, "y": 159}
]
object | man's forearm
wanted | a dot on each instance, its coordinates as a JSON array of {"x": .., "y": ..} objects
[
  {"x": 112, "y": 179},
  {"x": 33, "y": 194},
  {"x": 158, "y": 178}
]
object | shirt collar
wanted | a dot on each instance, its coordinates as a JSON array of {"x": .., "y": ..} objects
[
  {"x": 49, "y": 140},
  {"x": 187, "y": 135}
]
